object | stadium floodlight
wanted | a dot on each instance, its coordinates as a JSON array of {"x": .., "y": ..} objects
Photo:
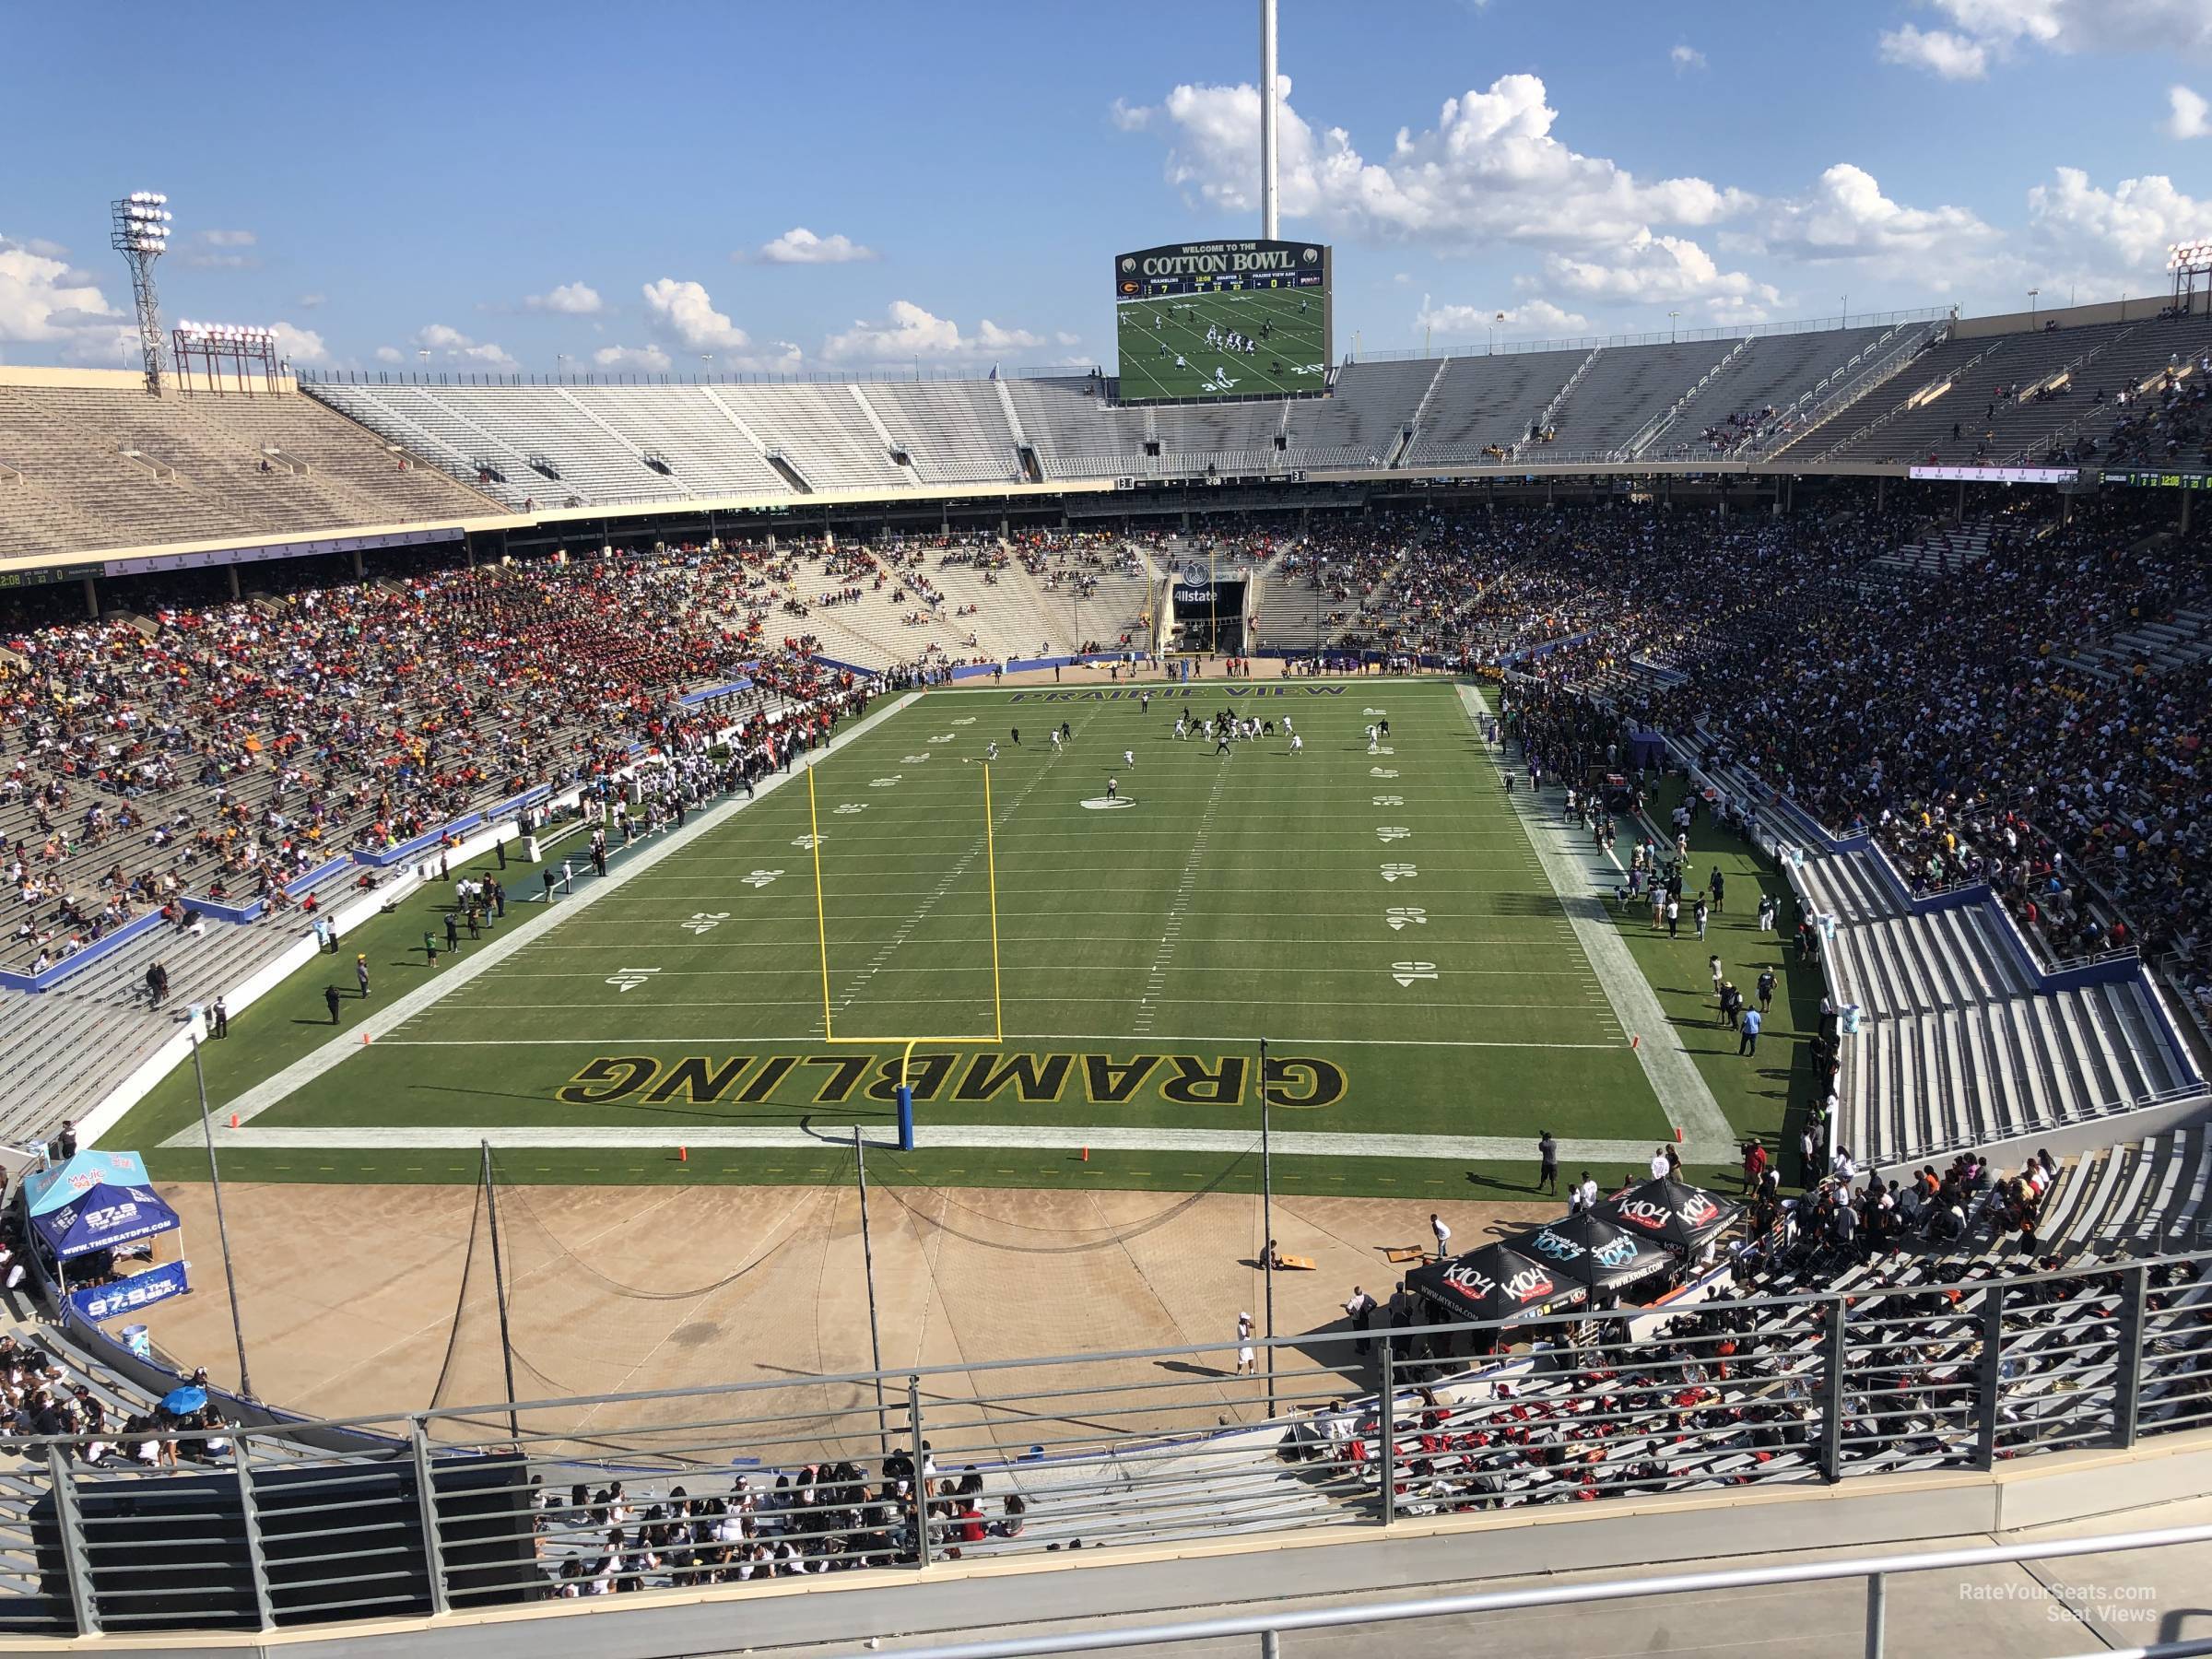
[
  {"x": 2190, "y": 255},
  {"x": 138, "y": 229}
]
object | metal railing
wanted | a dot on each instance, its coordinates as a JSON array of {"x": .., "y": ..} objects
[
  {"x": 1876, "y": 1570},
  {"x": 1909, "y": 1362}
]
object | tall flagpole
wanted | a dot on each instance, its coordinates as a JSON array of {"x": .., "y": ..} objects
[
  {"x": 222, "y": 1230},
  {"x": 1267, "y": 78}
]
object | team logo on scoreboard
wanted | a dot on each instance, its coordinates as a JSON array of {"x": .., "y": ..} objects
[
  {"x": 1129, "y": 262},
  {"x": 1312, "y": 255}
]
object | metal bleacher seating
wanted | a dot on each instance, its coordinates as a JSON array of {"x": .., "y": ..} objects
[
  {"x": 1959, "y": 1046},
  {"x": 1481, "y": 403},
  {"x": 956, "y": 432}
]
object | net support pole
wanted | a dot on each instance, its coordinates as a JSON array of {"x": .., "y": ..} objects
[
  {"x": 1267, "y": 1223},
  {"x": 868, "y": 1258},
  {"x": 222, "y": 1228},
  {"x": 499, "y": 1291}
]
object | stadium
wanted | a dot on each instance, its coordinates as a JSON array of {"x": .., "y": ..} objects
[{"x": 1388, "y": 989}]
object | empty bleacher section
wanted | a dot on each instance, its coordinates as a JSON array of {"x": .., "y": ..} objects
[
  {"x": 100, "y": 466},
  {"x": 1753, "y": 394},
  {"x": 955, "y": 432},
  {"x": 1484, "y": 405},
  {"x": 1623, "y": 389}
]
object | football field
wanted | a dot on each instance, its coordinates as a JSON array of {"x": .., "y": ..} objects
[
  {"x": 1164, "y": 352},
  {"x": 1381, "y": 916}
]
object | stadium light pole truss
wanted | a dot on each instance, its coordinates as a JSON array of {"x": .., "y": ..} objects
[
  {"x": 2189, "y": 261},
  {"x": 1267, "y": 158},
  {"x": 138, "y": 229},
  {"x": 821, "y": 928}
]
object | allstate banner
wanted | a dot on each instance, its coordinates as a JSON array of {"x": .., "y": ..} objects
[{"x": 131, "y": 1294}]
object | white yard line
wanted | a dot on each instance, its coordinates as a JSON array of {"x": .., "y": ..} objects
[
  {"x": 481, "y": 958},
  {"x": 450, "y": 1137},
  {"x": 1682, "y": 1093}
]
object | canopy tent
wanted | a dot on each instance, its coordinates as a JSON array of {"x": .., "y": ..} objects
[
  {"x": 95, "y": 1201},
  {"x": 1666, "y": 1211},
  {"x": 1493, "y": 1284},
  {"x": 1588, "y": 1251}
]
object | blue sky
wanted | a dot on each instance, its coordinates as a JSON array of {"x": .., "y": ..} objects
[{"x": 857, "y": 185}]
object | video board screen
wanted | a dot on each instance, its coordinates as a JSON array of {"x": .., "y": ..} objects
[{"x": 1195, "y": 321}]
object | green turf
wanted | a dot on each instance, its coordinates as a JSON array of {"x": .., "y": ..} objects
[
  {"x": 1152, "y": 333},
  {"x": 1146, "y": 947}
]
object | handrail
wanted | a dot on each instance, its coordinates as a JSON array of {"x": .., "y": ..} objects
[{"x": 1873, "y": 1568}]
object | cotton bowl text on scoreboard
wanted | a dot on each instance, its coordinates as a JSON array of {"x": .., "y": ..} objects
[{"x": 1218, "y": 267}]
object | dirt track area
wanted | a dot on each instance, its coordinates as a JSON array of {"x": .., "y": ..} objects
[{"x": 351, "y": 1294}]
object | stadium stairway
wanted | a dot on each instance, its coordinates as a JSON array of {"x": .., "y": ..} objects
[{"x": 1959, "y": 1045}]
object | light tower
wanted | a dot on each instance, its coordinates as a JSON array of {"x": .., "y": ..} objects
[
  {"x": 1268, "y": 168},
  {"x": 138, "y": 229},
  {"x": 2191, "y": 262}
]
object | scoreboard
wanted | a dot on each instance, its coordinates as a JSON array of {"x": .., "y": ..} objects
[
  {"x": 2158, "y": 480},
  {"x": 1223, "y": 320}
]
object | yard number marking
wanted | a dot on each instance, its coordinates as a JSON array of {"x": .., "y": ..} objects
[
  {"x": 1390, "y": 800},
  {"x": 1399, "y": 872},
  {"x": 851, "y": 807},
  {"x": 1407, "y": 972},
  {"x": 806, "y": 843},
  {"x": 630, "y": 979},
  {"x": 1378, "y": 772},
  {"x": 704, "y": 921},
  {"x": 912, "y": 759},
  {"x": 1400, "y": 917},
  {"x": 760, "y": 879},
  {"x": 890, "y": 783},
  {"x": 1390, "y": 832}
]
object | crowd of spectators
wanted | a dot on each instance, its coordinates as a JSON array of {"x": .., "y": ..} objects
[{"x": 223, "y": 748}]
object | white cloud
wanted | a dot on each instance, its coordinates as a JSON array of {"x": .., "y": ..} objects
[
  {"x": 906, "y": 332},
  {"x": 1685, "y": 57},
  {"x": 390, "y": 354},
  {"x": 308, "y": 301},
  {"x": 43, "y": 300},
  {"x": 1539, "y": 317},
  {"x": 799, "y": 245},
  {"x": 228, "y": 239},
  {"x": 1489, "y": 169},
  {"x": 686, "y": 310},
  {"x": 1846, "y": 215},
  {"x": 631, "y": 356},
  {"x": 1987, "y": 31},
  {"x": 2124, "y": 231},
  {"x": 570, "y": 300},
  {"x": 1129, "y": 117},
  {"x": 1654, "y": 270},
  {"x": 1952, "y": 56},
  {"x": 301, "y": 345},
  {"x": 454, "y": 346},
  {"x": 2188, "y": 113}
]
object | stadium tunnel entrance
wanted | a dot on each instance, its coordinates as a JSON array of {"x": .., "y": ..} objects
[{"x": 1208, "y": 616}]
